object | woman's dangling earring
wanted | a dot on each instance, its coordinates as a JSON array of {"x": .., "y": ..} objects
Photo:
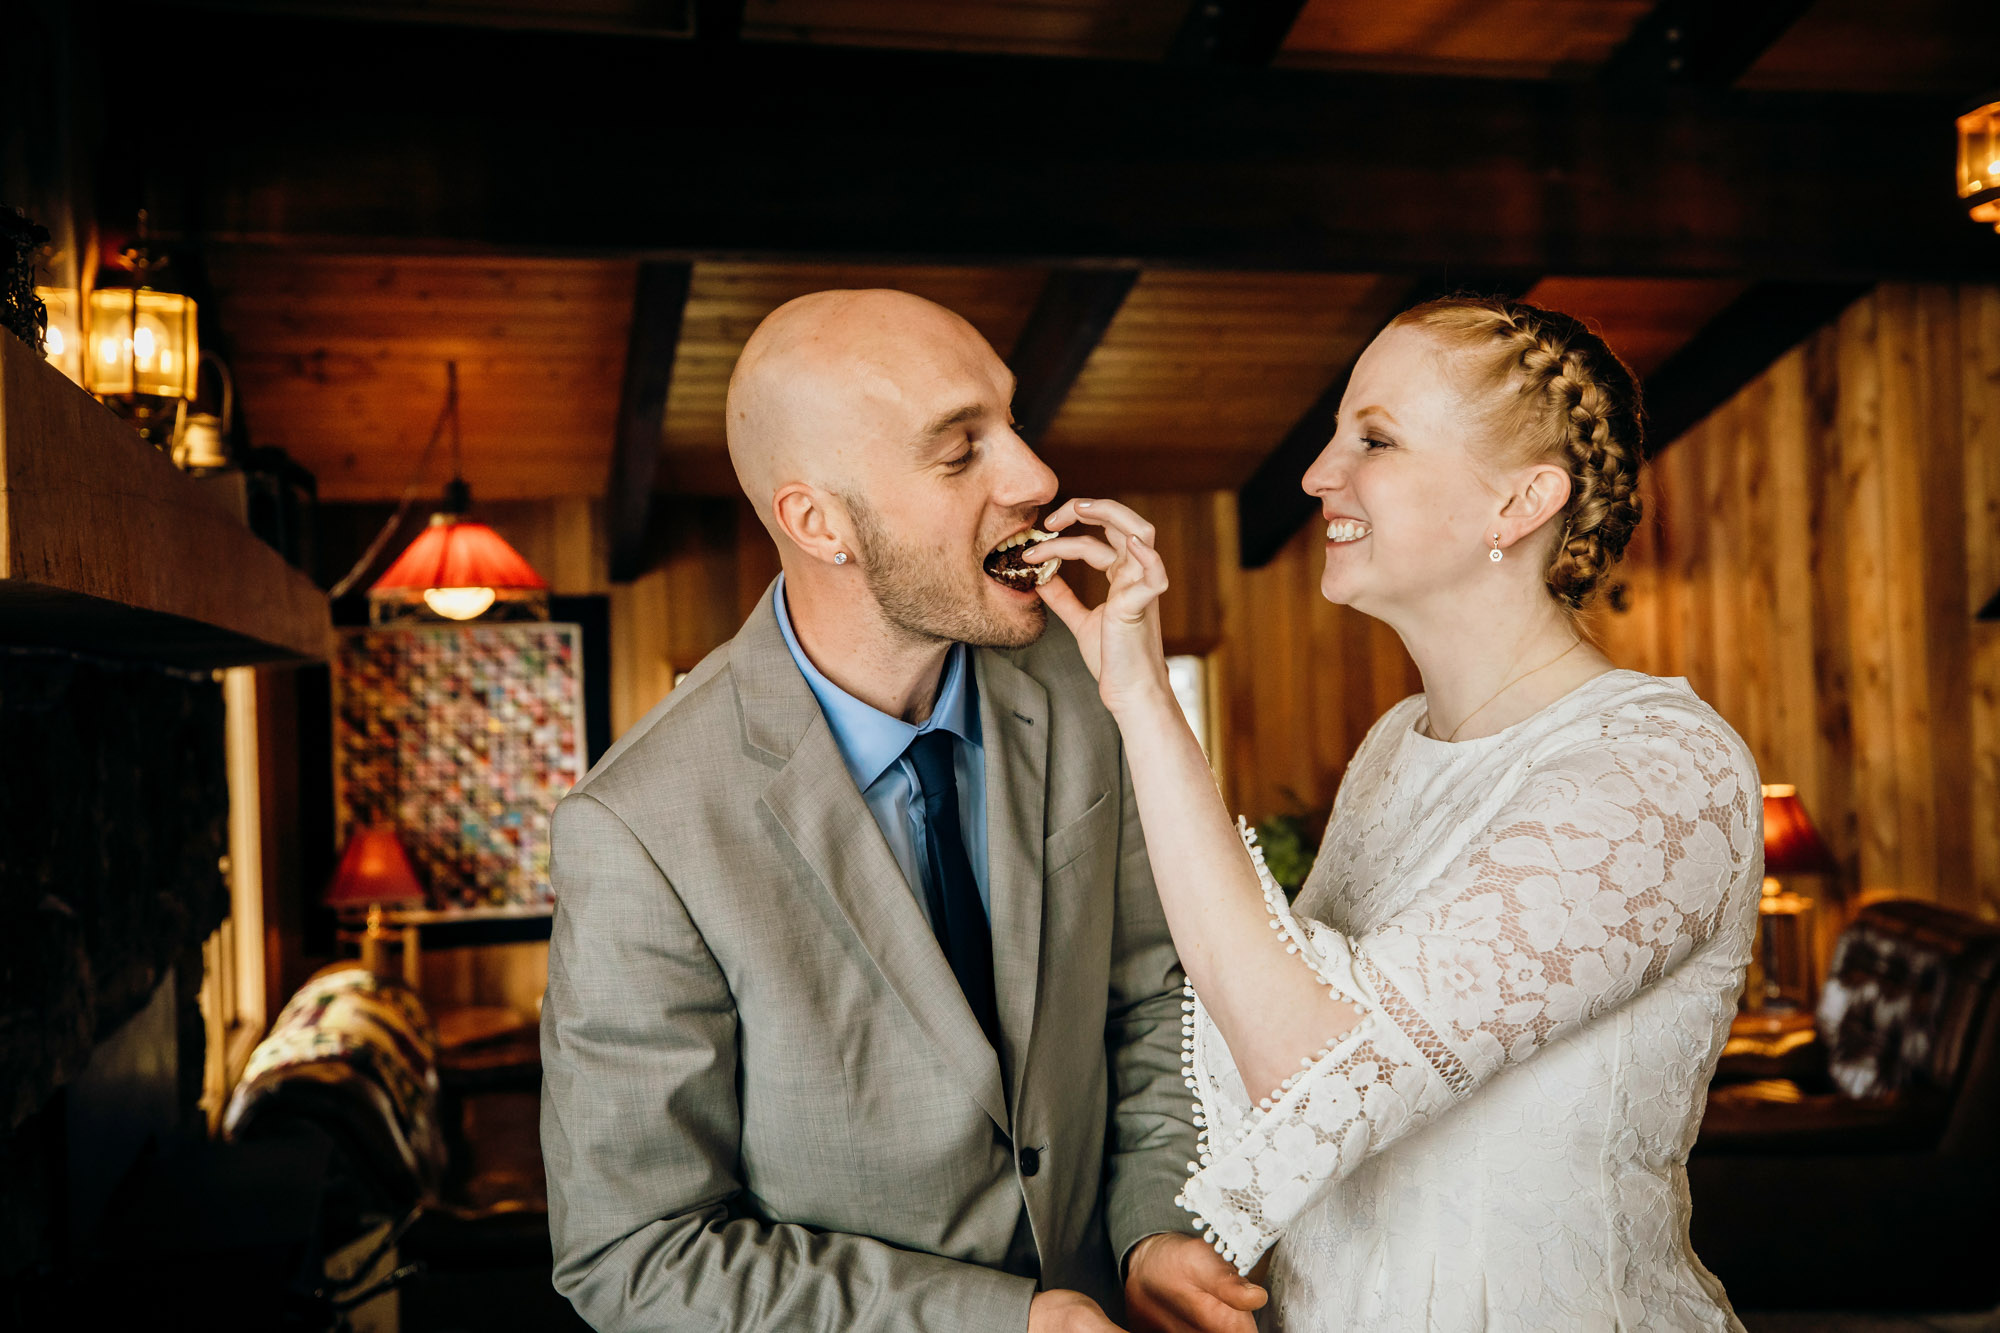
[
  {"x": 1494, "y": 554},
  {"x": 840, "y": 557}
]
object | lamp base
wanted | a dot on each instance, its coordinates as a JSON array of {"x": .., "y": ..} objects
[
  {"x": 1781, "y": 976},
  {"x": 375, "y": 940}
]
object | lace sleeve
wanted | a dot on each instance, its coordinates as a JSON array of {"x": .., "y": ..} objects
[{"x": 1610, "y": 865}]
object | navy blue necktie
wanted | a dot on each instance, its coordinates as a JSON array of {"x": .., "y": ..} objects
[{"x": 957, "y": 916}]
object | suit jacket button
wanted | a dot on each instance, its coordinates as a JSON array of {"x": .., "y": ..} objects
[{"x": 1031, "y": 1161}]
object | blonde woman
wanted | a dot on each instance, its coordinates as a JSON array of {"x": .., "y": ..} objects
[{"x": 1460, "y": 1079}]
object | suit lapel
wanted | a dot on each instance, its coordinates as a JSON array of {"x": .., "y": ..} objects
[
  {"x": 1014, "y": 728},
  {"x": 814, "y": 801}
]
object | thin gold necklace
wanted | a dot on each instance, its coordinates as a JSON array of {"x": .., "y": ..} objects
[{"x": 1504, "y": 688}]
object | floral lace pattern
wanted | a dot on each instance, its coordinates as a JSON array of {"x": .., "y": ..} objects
[{"x": 1582, "y": 885}]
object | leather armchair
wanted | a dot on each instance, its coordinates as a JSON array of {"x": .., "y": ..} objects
[{"x": 1862, "y": 1170}]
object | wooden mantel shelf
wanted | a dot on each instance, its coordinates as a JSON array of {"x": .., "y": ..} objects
[{"x": 106, "y": 546}]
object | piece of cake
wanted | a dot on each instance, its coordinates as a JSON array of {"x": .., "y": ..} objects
[{"x": 1005, "y": 563}]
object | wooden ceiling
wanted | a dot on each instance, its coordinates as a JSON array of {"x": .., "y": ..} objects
[
  {"x": 340, "y": 359},
  {"x": 1200, "y": 372},
  {"x": 1113, "y": 29},
  {"x": 1935, "y": 46},
  {"x": 1950, "y": 48},
  {"x": 1491, "y": 38},
  {"x": 1192, "y": 379}
]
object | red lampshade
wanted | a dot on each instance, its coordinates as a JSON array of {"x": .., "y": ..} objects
[
  {"x": 453, "y": 553},
  {"x": 1792, "y": 846},
  {"x": 374, "y": 870}
]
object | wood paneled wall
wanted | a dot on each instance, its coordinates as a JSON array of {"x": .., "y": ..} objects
[
  {"x": 1816, "y": 551},
  {"x": 1302, "y": 679},
  {"x": 715, "y": 562}
]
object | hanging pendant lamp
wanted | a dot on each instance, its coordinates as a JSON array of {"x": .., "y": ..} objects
[{"x": 457, "y": 568}]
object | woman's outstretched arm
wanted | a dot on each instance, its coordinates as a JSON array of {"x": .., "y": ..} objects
[
  {"x": 1604, "y": 872},
  {"x": 1270, "y": 1009}
]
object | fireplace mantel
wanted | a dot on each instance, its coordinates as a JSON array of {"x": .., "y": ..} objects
[{"x": 106, "y": 546}]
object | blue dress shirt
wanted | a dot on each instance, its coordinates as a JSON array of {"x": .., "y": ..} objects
[{"x": 872, "y": 745}]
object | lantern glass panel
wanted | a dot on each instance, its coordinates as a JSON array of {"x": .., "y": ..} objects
[
  {"x": 157, "y": 355},
  {"x": 1979, "y": 162}
]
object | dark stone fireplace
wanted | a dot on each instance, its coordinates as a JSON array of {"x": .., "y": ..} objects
[{"x": 114, "y": 815}]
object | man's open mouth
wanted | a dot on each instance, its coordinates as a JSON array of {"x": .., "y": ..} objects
[{"x": 1004, "y": 563}]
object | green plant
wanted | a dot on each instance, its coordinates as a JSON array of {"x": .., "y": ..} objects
[
  {"x": 21, "y": 242},
  {"x": 1289, "y": 849}
]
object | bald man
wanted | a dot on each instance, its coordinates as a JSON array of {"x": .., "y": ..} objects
[{"x": 862, "y": 1013}]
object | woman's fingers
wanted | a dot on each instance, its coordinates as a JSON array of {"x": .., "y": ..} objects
[
  {"x": 1062, "y": 518},
  {"x": 1137, "y": 582},
  {"x": 1093, "y": 551},
  {"x": 1105, "y": 514}
]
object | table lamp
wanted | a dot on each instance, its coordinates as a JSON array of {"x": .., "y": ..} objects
[
  {"x": 1792, "y": 846},
  {"x": 375, "y": 873}
]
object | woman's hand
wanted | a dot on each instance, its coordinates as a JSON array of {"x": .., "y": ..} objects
[{"x": 1120, "y": 640}]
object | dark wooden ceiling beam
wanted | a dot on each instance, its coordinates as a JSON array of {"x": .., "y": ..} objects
[
  {"x": 718, "y": 20},
  {"x": 658, "y": 303},
  {"x": 1075, "y": 308},
  {"x": 1233, "y": 32},
  {"x": 1700, "y": 43},
  {"x": 1270, "y": 506},
  {"x": 1734, "y": 348},
  {"x": 679, "y": 149}
]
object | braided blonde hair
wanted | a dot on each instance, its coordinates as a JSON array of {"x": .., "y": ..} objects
[{"x": 1558, "y": 394}]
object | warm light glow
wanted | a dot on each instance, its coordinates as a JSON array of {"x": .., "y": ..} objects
[
  {"x": 1979, "y": 162},
  {"x": 458, "y": 603},
  {"x": 459, "y": 568},
  {"x": 63, "y": 343},
  {"x": 375, "y": 871},
  {"x": 156, "y": 354}
]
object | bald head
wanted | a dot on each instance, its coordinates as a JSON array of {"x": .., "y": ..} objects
[
  {"x": 831, "y": 378},
  {"x": 874, "y": 433}
]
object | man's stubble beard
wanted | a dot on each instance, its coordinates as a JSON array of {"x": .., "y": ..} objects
[{"x": 919, "y": 597}]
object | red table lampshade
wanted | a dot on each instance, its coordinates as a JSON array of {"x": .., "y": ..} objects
[
  {"x": 375, "y": 871},
  {"x": 1792, "y": 846}
]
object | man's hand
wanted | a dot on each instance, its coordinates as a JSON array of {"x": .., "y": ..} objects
[
  {"x": 1179, "y": 1284},
  {"x": 1067, "y": 1312}
]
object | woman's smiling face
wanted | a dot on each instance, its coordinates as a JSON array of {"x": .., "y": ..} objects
[{"x": 1402, "y": 497}]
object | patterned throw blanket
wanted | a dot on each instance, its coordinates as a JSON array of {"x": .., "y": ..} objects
[{"x": 369, "y": 1026}]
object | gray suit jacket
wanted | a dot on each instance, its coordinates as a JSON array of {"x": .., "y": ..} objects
[{"x": 766, "y": 1104}]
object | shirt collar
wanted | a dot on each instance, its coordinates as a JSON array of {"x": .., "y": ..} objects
[{"x": 870, "y": 740}]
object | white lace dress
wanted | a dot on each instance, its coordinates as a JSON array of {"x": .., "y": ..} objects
[{"x": 1546, "y": 931}]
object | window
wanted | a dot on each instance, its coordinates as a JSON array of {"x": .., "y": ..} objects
[
  {"x": 1189, "y": 676},
  {"x": 232, "y": 988}
]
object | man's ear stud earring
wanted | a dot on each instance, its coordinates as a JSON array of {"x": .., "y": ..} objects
[
  {"x": 1494, "y": 554},
  {"x": 840, "y": 557}
]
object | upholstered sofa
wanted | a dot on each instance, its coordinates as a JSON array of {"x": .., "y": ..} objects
[
  {"x": 443, "y": 1143},
  {"x": 1862, "y": 1169}
]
